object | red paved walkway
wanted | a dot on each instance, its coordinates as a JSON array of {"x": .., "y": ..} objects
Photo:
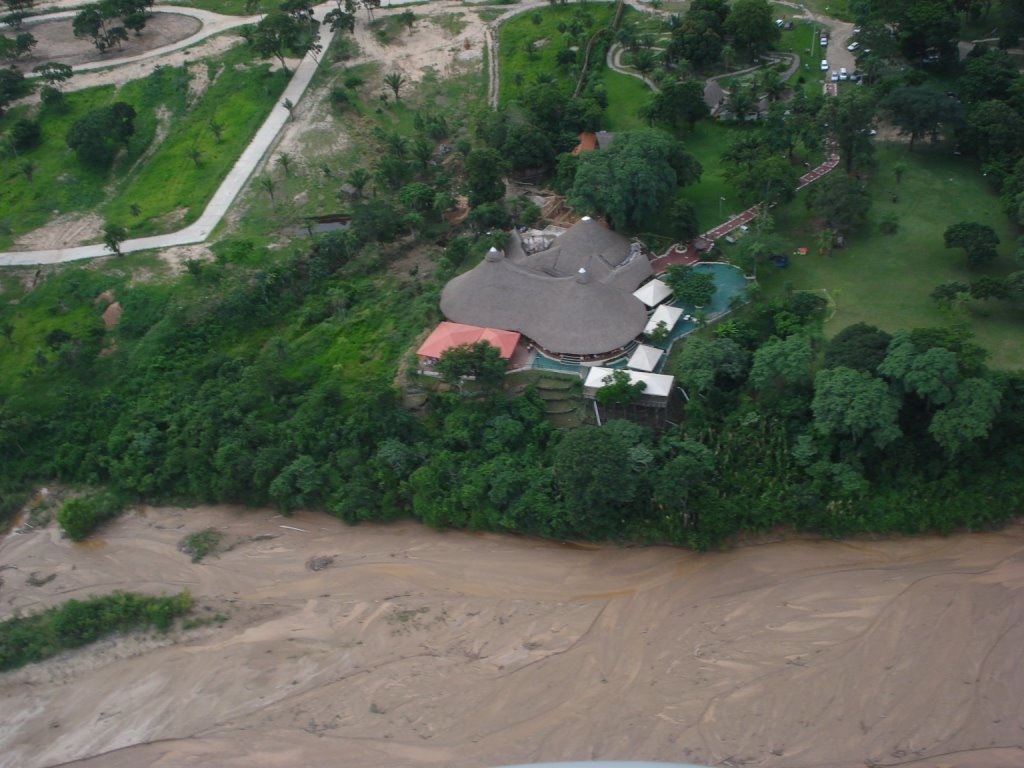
[{"x": 684, "y": 253}]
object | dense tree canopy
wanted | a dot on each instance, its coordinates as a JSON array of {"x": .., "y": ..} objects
[
  {"x": 633, "y": 178},
  {"x": 100, "y": 134}
]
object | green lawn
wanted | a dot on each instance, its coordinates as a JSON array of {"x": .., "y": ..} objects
[
  {"x": 886, "y": 280},
  {"x": 147, "y": 193},
  {"x": 707, "y": 142},
  {"x": 227, "y": 7},
  {"x": 626, "y": 95}
]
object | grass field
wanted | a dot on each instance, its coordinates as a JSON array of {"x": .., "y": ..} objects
[
  {"x": 171, "y": 188},
  {"x": 626, "y": 95},
  {"x": 147, "y": 193},
  {"x": 886, "y": 280},
  {"x": 227, "y": 7},
  {"x": 707, "y": 142}
]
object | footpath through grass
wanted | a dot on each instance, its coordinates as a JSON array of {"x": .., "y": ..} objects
[{"x": 885, "y": 280}]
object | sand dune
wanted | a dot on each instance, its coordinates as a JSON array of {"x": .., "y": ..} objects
[{"x": 417, "y": 648}]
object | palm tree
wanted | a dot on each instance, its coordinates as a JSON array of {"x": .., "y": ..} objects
[
  {"x": 285, "y": 161},
  {"x": 267, "y": 185},
  {"x": 643, "y": 62},
  {"x": 195, "y": 156},
  {"x": 358, "y": 178},
  {"x": 395, "y": 81}
]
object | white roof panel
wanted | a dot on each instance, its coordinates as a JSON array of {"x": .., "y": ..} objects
[
  {"x": 658, "y": 385},
  {"x": 669, "y": 314},
  {"x": 644, "y": 358},
  {"x": 652, "y": 293}
]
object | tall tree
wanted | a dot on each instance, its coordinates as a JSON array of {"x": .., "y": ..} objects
[
  {"x": 98, "y": 135},
  {"x": 280, "y": 33},
  {"x": 842, "y": 201},
  {"x": 752, "y": 25},
  {"x": 854, "y": 405},
  {"x": 634, "y": 177},
  {"x": 969, "y": 417},
  {"x": 593, "y": 476},
  {"x": 849, "y": 117},
  {"x": 485, "y": 169},
  {"x": 979, "y": 241},
  {"x": 919, "y": 111},
  {"x": 13, "y": 85},
  {"x": 679, "y": 103}
]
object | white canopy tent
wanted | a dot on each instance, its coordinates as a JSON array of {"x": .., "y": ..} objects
[
  {"x": 652, "y": 293},
  {"x": 658, "y": 385},
  {"x": 669, "y": 315},
  {"x": 644, "y": 358}
]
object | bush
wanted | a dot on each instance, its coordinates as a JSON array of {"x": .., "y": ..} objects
[
  {"x": 200, "y": 544},
  {"x": 32, "y": 638},
  {"x": 81, "y": 516},
  {"x": 26, "y": 134},
  {"x": 340, "y": 98}
]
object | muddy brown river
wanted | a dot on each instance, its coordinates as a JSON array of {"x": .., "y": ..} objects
[{"x": 418, "y": 648}]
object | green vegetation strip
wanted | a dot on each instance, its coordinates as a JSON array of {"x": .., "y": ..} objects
[{"x": 38, "y": 636}]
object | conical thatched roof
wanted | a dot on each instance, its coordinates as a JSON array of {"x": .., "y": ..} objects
[
  {"x": 574, "y": 297},
  {"x": 562, "y": 314}
]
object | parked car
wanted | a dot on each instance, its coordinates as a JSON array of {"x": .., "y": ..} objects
[
  {"x": 824, "y": 65},
  {"x": 835, "y": 76},
  {"x": 824, "y": 42},
  {"x": 842, "y": 74},
  {"x": 856, "y": 30},
  {"x": 853, "y": 46}
]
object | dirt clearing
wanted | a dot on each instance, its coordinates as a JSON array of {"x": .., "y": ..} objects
[
  {"x": 417, "y": 648},
  {"x": 57, "y": 41}
]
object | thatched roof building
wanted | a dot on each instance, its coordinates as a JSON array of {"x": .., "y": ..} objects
[{"x": 574, "y": 297}]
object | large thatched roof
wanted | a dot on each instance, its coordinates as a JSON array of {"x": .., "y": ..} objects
[{"x": 574, "y": 297}]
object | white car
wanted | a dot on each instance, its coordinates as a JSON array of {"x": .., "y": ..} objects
[
  {"x": 853, "y": 46},
  {"x": 835, "y": 76},
  {"x": 824, "y": 65},
  {"x": 842, "y": 74}
]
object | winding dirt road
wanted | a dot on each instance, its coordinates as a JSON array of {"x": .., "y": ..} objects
[{"x": 418, "y": 648}]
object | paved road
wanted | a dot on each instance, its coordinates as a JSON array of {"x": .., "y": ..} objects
[{"x": 200, "y": 230}]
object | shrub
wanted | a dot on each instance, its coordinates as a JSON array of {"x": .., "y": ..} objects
[
  {"x": 26, "y": 134},
  {"x": 27, "y": 639},
  {"x": 81, "y": 516},
  {"x": 339, "y": 97},
  {"x": 200, "y": 544}
]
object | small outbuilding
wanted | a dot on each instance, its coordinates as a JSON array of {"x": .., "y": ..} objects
[
  {"x": 448, "y": 335},
  {"x": 657, "y": 387}
]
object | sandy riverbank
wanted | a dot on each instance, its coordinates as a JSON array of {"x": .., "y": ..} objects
[{"x": 416, "y": 648}]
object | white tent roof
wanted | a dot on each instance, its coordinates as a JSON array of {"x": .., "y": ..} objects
[
  {"x": 653, "y": 293},
  {"x": 644, "y": 358},
  {"x": 669, "y": 314},
  {"x": 658, "y": 385}
]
